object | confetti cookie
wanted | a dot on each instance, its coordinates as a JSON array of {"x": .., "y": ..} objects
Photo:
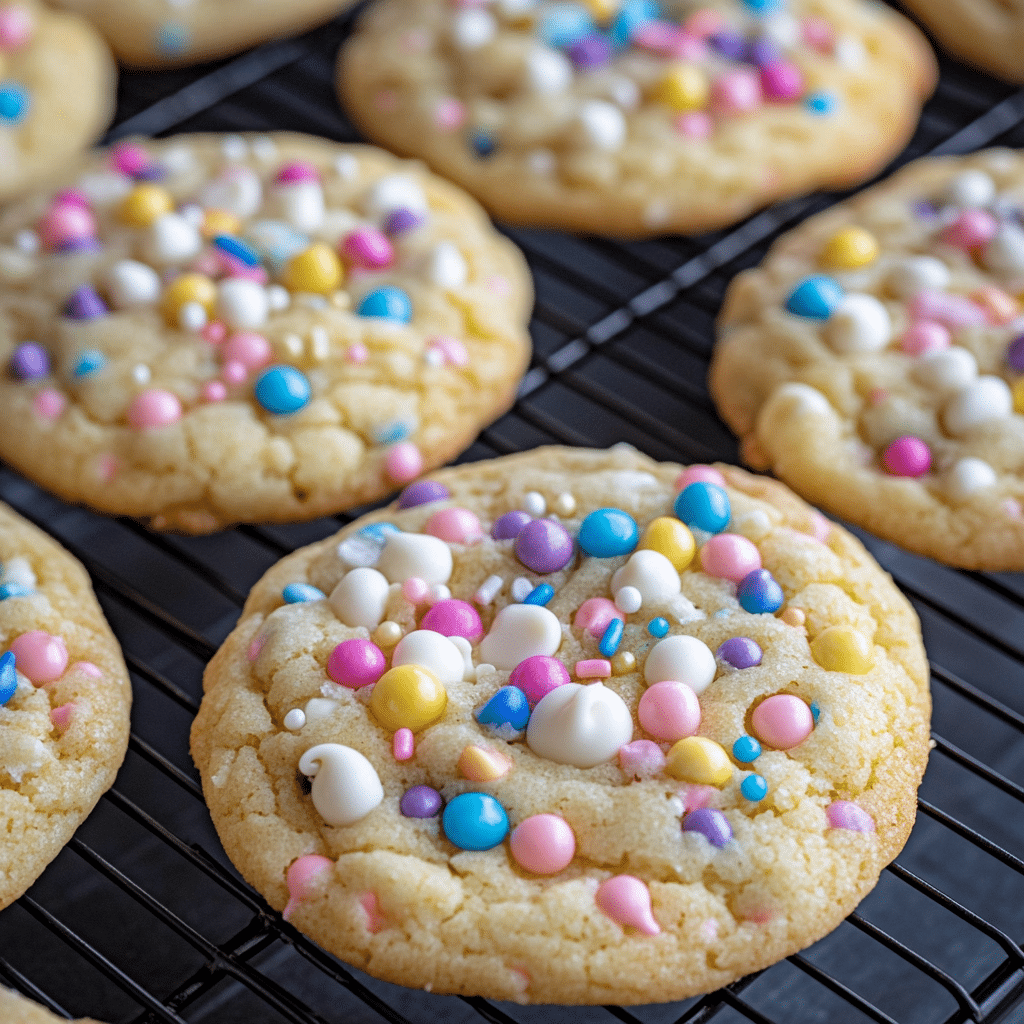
[
  {"x": 875, "y": 361},
  {"x": 16, "y": 1009},
  {"x": 167, "y": 33},
  {"x": 219, "y": 329},
  {"x": 56, "y": 92},
  {"x": 569, "y": 726},
  {"x": 631, "y": 117},
  {"x": 64, "y": 700}
]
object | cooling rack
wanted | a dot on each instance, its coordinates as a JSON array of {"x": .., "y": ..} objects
[{"x": 142, "y": 919}]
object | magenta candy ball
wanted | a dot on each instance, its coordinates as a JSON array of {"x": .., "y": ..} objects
[
  {"x": 782, "y": 81},
  {"x": 369, "y": 248},
  {"x": 356, "y": 663},
  {"x": 730, "y": 556},
  {"x": 973, "y": 228},
  {"x": 544, "y": 546},
  {"x": 782, "y": 721},
  {"x": 537, "y": 676},
  {"x": 669, "y": 711},
  {"x": 451, "y": 617},
  {"x": 907, "y": 456},
  {"x": 543, "y": 844}
]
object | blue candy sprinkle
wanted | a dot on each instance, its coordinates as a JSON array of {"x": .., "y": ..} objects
[
  {"x": 388, "y": 303},
  {"x": 608, "y": 532},
  {"x": 815, "y": 297},
  {"x": 483, "y": 144},
  {"x": 379, "y": 531},
  {"x": 392, "y": 433},
  {"x": 14, "y": 102},
  {"x": 658, "y": 627},
  {"x": 475, "y": 821},
  {"x": 631, "y": 16},
  {"x": 762, "y": 6},
  {"x": 89, "y": 362},
  {"x": 612, "y": 638},
  {"x": 8, "y": 677},
  {"x": 540, "y": 594},
  {"x": 561, "y": 25},
  {"x": 705, "y": 506},
  {"x": 282, "y": 390},
  {"x": 815, "y": 711},
  {"x": 758, "y": 592},
  {"x": 508, "y": 706},
  {"x": 821, "y": 103},
  {"x": 746, "y": 749},
  {"x": 13, "y": 589},
  {"x": 242, "y": 251},
  {"x": 172, "y": 38},
  {"x": 299, "y": 593},
  {"x": 754, "y": 787}
]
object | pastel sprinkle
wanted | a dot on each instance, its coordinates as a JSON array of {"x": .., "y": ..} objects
[
  {"x": 592, "y": 668},
  {"x": 541, "y": 594},
  {"x": 612, "y": 638},
  {"x": 627, "y": 900},
  {"x": 658, "y": 627},
  {"x": 297, "y": 593},
  {"x": 403, "y": 744}
]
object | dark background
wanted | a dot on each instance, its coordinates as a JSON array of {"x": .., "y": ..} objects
[{"x": 142, "y": 918}]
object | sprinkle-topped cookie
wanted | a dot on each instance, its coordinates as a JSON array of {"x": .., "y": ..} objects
[
  {"x": 636, "y": 117},
  {"x": 623, "y": 753},
  {"x": 220, "y": 329},
  {"x": 64, "y": 701},
  {"x": 876, "y": 360}
]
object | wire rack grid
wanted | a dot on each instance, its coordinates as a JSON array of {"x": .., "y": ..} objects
[{"x": 141, "y": 918}]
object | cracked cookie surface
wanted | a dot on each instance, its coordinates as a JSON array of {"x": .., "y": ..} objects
[
  {"x": 511, "y": 768},
  {"x": 65, "y": 700},
  {"x": 630, "y": 118},
  {"x": 875, "y": 360},
  {"x": 215, "y": 329}
]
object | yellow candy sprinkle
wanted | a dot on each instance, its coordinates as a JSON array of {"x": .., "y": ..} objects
[
  {"x": 671, "y": 538},
  {"x": 684, "y": 88},
  {"x": 793, "y": 617},
  {"x": 1018, "y": 396},
  {"x": 219, "y": 222},
  {"x": 317, "y": 270},
  {"x": 188, "y": 288},
  {"x": 478, "y": 764},
  {"x": 408, "y": 697},
  {"x": 144, "y": 204},
  {"x": 849, "y": 249},
  {"x": 602, "y": 10},
  {"x": 700, "y": 760},
  {"x": 843, "y": 649},
  {"x": 624, "y": 663}
]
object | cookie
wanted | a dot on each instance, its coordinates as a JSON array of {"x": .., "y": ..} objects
[
  {"x": 988, "y": 33},
  {"x": 170, "y": 33},
  {"x": 569, "y": 726},
  {"x": 15, "y": 1009},
  {"x": 875, "y": 360},
  {"x": 215, "y": 329},
  {"x": 64, "y": 701},
  {"x": 631, "y": 118},
  {"x": 56, "y": 93}
]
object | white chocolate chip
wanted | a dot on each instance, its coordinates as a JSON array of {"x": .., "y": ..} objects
[
  {"x": 915, "y": 274},
  {"x": 447, "y": 267},
  {"x": 949, "y": 370},
  {"x": 473, "y": 28},
  {"x": 860, "y": 324},
  {"x": 968, "y": 476},
  {"x": 971, "y": 188},
  {"x": 983, "y": 401},
  {"x": 603, "y": 124},
  {"x": 547, "y": 70},
  {"x": 131, "y": 284}
]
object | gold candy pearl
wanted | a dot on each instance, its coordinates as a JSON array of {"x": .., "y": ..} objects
[
  {"x": 793, "y": 617},
  {"x": 849, "y": 249},
  {"x": 843, "y": 649},
  {"x": 699, "y": 760},
  {"x": 684, "y": 88},
  {"x": 316, "y": 270},
  {"x": 145, "y": 204},
  {"x": 185, "y": 289},
  {"x": 1018, "y": 396},
  {"x": 387, "y": 634},
  {"x": 624, "y": 663}
]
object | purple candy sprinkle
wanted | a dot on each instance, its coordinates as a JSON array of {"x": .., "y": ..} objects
[
  {"x": 399, "y": 221},
  {"x": 711, "y": 824},
  {"x": 846, "y": 814},
  {"x": 75, "y": 246},
  {"x": 1015, "y": 354},
  {"x": 925, "y": 210},
  {"x": 764, "y": 52},
  {"x": 510, "y": 524},
  {"x": 84, "y": 304},
  {"x": 730, "y": 45},
  {"x": 422, "y": 493},
  {"x": 420, "y": 802},
  {"x": 30, "y": 361},
  {"x": 544, "y": 546},
  {"x": 593, "y": 51},
  {"x": 740, "y": 652},
  {"x": 151, "y": 172}
]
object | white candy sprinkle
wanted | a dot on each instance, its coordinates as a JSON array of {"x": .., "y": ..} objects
[
  {"x": 535, "y": 504},
  {"x": 438, "y": 592},
  {"x": 192, "y": 317},
  {"x": 970, "y": 189},
  {"x": 319, "y": 343},
  {"x": 985, "y": 400},
  {"x": 473, "y": 28},
  {"x": 131, "y": 284},
  {"x": 782, "y": 28},
  {"x": 628, "y": 600},
  {"x": 346, "y": 167},
  {"x": 915, "y": 274},
  {"x": 234, "y": 147},
  {"x": 278, "y": 297},
  {"x": 565, "y": 504},
  {"x": 433, "y": 356},
  {"x": 193, "y": 213},
  {"x": 1005, "y": 252},
  {"x": 521, "y": 589},
  {"x": 242, "y": 305},
  {"x": 623, "y": 91},
  {"x": 968, "y": 476},
  {"x": 291, "y": 344},
  {"x": 27, "y": 241},
  {"x": 548, "y": 71},
  {"x": 447, "y": 267},
  {"x": 850, "y": 53},
  {"x": 860, "y": 324},
  {"x": 172, "y": 239},
  {"x": 395, "y": 192},
  {"x": 295, "y": 719},
  {"x": 302, "y": 204},
  {"x": 105, "y": 187},
  {"x": 142, "y": 374},
  {"x": 603, "y": 124},
  {"x": 264, "y": 148},
  {"x": 948, "y": 370},
  {"x": 488, "y": 590}
]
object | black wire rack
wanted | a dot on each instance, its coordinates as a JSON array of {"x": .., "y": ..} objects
[{"x": 142, "y": 918}]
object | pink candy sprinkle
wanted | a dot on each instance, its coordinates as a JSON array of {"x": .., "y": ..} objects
[
  {"x": 255, "y": 646},
  {"x": 736, "y": 92},
  {"x": 973, "y": 228},
  {"x": 357, "y": 354},
  {"x": 782, "y": 721},
  {"x": 594, "y": 615},
  {"x": 403, "y": 745},
  {"x": 49, "y": 404},
  {"x": 302, "y": 878},
  {"x": 907, "y": 456},
  {"x": 822, "y": 527},
  {"x": 455, "y": 525},
  {"x": 951, "y": 310},
  {"x": 730, "y": 556},
  {"x": 215, "y": 391},
  {"x": 107, "y": 466},
  {"x": 129, "y": 158},
  {"x": 375, "y": 919},
  {"x": 61, "y": 716},
  {"x": 593, "y": 668},
  {"x": 782, "y": 81},
  {"x": 452, "y": 617},
  {"x": 297, "y": 171},
  {"x": 669, "y": 711},
  {"x": 452, "y": 350},
  {"x": 40, "y": 657},
  {"x": 415, "y": 590},
  {"x": 641, "y": 759},
  {"x": 923, "y": 337},
  {"x": 846, "y": 814},
  {"x": 403, "y": 462},
  {"x": 694, "y": 125},
  {"x": 696, "y": 797},
  {"x": 234, "y": 373},
  {"x": 214, "y": 332},
  {"x": 64, "y": 223},
  {"x": 627, "y": 900},
  {"x": 698, "y": 475},
  {"x": 817, "y": 32},
  {"x": 16, "y": 26},
  {"x": 543, "y": 844},
  {"x": 368, "y": 247},
  {"x": 154, "y": 408},
  {"x": 449, "y": 114},
  {"x": 87, "y": 668}
]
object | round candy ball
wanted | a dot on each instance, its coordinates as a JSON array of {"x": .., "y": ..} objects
[
  {"x": 408, "y": 697},
  {"x": 316, "y": 270},
  {"x": 669, "y": 710},
  {"x": 850, "y": 248},
  {"x": 671, "y": 538},
  {"x": 907, "y": 456},
  {"x": 282, "y": 390},
  {"x": 704, "y": 506},
  {"x": 730, "y": 556},
  {"x": 510, "y": 524},
  {"x": 544, "y": 546},
  {"x": 152, "y": 408},
  {"x": 455, "y": 525},
  {"x": 759, "y": 592},
  {"x": 357, "y": 662},
  {"x": 607, "y": 533},
  {"x": 475, "y": 821},
  {"x": 843, "y": 649},
  {"x": 815, "y": 298},
  {"x": 508, "y": 706},
  {"x": 452, "y": 617},
  {"x": 537, "y": 676},
  {"x": 543, "y": 844},
  {"x": 711, "y": 824},
  {"x": 754, "y": 787},
  {"x": 740, "y": 652},
  {"x": 420, "y": 802},
  {"x": 40, "y": 656},
  {"x": 387, "y": 303},
  {"x": 782, "y": 721},
  {"x": 30, "y": 361},
  {"x": 746, "y": 749},
  {"x": 423, "y": 492}
]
